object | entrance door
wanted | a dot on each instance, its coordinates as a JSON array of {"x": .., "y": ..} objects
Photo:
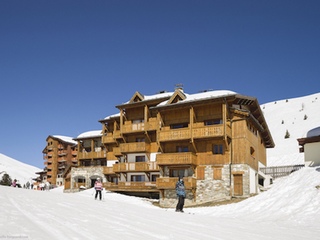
[{"x": 237, "y": 183}]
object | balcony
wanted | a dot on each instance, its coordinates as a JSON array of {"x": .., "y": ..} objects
[
  {"x": 91, "y": 155},
  {"x": 108, "y": 171},
  {"x": 174, "y": 134},
  {"x": 116, "y": 151},
  {"x": 184, "y": 158},
  {"x": 111, "y": 156},
  {"x": 130, "y": 127},
  {"x": 62, "y": 166},
  {"x": 199, "y": 131},
  {"x": 110, "y": 186},
  {"x": 152, "y": 124},
  {"x": 131, "y": 186},
  {"x": 108, "y": 138},
  {"x": 61, "y": 159},
  {"x": 133, "y": 147},
  {"x": 170, "y": 182},
  {"x": 117, "y": 134},
  {"x": 136, "y": 167}
]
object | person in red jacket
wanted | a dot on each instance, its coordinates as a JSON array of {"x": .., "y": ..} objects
[{"x": 98, "y": 187}]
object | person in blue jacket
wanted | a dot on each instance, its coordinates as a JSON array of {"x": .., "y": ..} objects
[{"x": 181, "y": 193}]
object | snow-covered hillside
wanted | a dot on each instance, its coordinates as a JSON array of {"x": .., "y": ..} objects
[
  {"x": 298, "y": 116},
  {"x": 290, "y": 210},
  {"x": 17, "y": 170}
]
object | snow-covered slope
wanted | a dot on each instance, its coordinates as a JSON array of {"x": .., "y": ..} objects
[
  {"x": 298, "y": 116},
  {"x": 288, "y": 211},
  {"x": 17, "y": 170}
]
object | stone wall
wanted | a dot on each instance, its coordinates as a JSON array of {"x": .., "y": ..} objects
[
  {"x": 88, "y": 173},
  {"x": 211, "y": 190}
]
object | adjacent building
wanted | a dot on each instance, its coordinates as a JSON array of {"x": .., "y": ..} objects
[
  {"x": 59, "y": 155},
  {"x": 310, "y": 146}
]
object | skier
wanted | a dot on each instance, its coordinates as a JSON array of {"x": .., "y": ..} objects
[
  {"x": 181, "y": 193},
  {"x": 98, "y": 188}
]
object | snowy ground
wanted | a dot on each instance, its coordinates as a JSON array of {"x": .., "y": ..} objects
[{"x": 289, "y": 210}]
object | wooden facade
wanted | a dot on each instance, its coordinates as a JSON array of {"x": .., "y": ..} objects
[
  {"x": 59, "y": 155},
  {"x": 214, "y": 140}
]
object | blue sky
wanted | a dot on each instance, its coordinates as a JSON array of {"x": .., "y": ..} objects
[{"x": 66, "y": 64}]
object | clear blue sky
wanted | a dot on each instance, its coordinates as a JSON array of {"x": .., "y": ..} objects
[{"x": 66, "y": 64}]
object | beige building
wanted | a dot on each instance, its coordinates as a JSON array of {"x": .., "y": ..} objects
[{"x": 310, "y": 145}]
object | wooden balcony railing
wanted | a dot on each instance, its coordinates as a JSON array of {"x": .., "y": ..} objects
[
  {"x": 208, "y": 131},
  {"x": 110, "y": 186},
  {"x": 152, "y": 124},
  {"x": 117, "y": 134},
  {"x": 133, "y": 147},
  {"x": 137, "y": 186},
  {"x": 91, "y": 155},
  {"x": 62, "y": 159},
  {"x": 184, "y": 158},
  {"x": 170, "y": 182},
  {"x": 132, "y": 186},
  {"x": 129, "y": 127},
  {"x": 111, "y": 156},
  {"x": 116, "y": 151},
  {"x": 174, "y": 134},
  {"x": 136, "y": 167},
  {"x": 108, "y": 170},
  {"x": 62, "y": 152},
  {"x": 108, "y": 138}
]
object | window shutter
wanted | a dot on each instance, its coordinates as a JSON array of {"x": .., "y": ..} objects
[
  {"x": 200, "y": 172},
  {"x": 217, "y": 173}
]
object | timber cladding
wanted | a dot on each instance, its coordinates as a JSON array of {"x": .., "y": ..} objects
[{"x": 198, "y": 138}]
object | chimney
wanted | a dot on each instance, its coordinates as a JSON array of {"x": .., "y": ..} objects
[{"x": 179, "y": 86}]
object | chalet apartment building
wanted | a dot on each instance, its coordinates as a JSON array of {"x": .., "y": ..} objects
[
  {"x": 59, "y": 155},
  {"x": 215, "y": 140}
]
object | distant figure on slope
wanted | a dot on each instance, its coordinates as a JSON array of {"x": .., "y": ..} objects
[
  {"x": 181, "y": 193},
  {"x": 14, "y": 183},
  {"x": 98, "y": 188},
  {"x": 47, "y": 186}
]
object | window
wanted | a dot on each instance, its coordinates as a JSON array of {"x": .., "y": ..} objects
[
  {"x": 154, "y": 177},
  {"x": 180, "y": 172},
  {"x": 212, "y": 122},
  {"x": 140, "y": 158},
  {"x": 182, "y": 149},
  {"x": 217, "y": 149},
  {"x": 137, "y": 178},
  {"x": 140, "y": 139},
  {"x": 252, "y": 151},
  {"x": 178, "y": 125}
]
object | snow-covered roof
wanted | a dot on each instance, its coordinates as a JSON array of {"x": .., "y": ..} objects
[
  {"x": 203, "y": 96},
  {"x": 314, "y": 132},
  {"x": 65, "y": 139},
  {"x": 112, "y": 116},
  {"x": 90, "y": 134},
  {"x": 154, "y": 96}
]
